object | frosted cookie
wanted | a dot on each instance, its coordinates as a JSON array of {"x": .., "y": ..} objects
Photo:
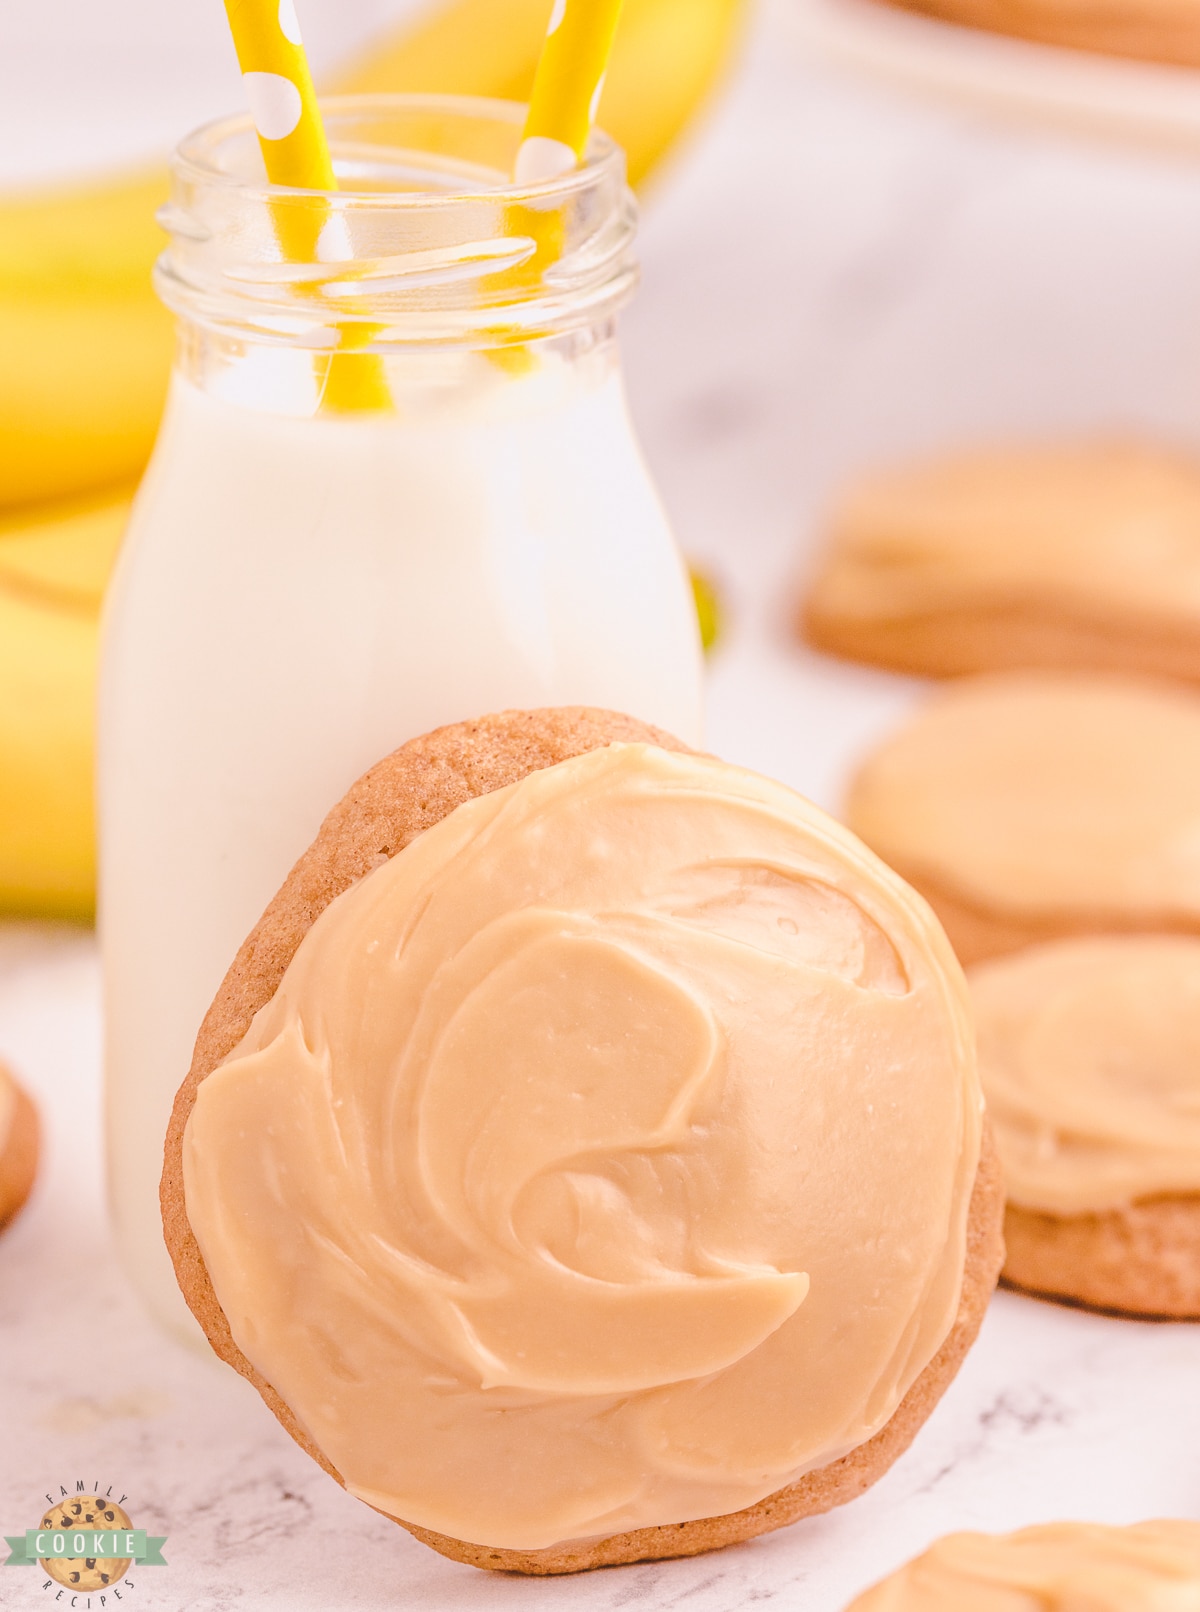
[
  {"x": 1055, "y": 1567},
  {"x": 584, "y": 1156},
  {"x": 1149, "y": 30},
  {"x": 1025, "y": 806},
  {"x": 1089, "y": 1053},
  {"x": 18, "y": 1146},
  {"x": 1084, "y": 557}
]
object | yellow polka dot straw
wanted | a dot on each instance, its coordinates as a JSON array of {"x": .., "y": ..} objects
[
  {"x": 291, "y": 135},
  {"x": 279, "y": 87},
  {"x": 566, "y": 87}
]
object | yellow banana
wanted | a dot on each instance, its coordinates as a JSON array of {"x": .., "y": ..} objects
[
  {"x": 86, "y": 347},
  {"x": 62, "y": 554},
  {"x": 52, "y": 575},
  {"x": 54, "y": 565},
  {"x": 86, "y": 351},
  {"x": 666, "y": 58}
]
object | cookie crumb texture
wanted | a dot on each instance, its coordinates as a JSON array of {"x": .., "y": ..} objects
[{"x": 1143, "y": 1260}]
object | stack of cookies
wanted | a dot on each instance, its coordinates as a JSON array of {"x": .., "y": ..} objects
[{"x": 1051, "y": 816}]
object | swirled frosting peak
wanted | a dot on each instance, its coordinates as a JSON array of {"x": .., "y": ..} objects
[{"x": 602, "y": 1160}]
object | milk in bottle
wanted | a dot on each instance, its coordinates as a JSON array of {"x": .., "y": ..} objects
[{"x": 304, "y": 587}]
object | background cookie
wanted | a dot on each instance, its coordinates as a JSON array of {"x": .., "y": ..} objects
[
  {"x": 1088, "y": 1055},
  {"x": 1141, "y": 1260},
  {"x": 1153, "y": 1566},
  {"x": 1154, "y": 31},
  {"x": 1025, "y": 806},
  {"x": 389, "y": 806},
  {"x": 1085, "y": 556},
  {"x": 18, "y": 1146}
]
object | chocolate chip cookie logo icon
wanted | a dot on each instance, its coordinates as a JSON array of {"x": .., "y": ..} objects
[{"x": 87, "y": 1544}]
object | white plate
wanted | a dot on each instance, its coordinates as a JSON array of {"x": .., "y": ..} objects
[{"x": 1138, "y": 103}]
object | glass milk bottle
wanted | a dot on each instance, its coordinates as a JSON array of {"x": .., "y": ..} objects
[{"x": 311, "y": 578}]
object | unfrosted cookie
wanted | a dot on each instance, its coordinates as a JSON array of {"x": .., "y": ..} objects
[
  {"x": 18, "y": 1146},
  {"x": 1089, "y": 1053},
  {"x": 1026, "y": 806},
  {"x": 1058, "y": 1566},
  {"x": 1084, "y": 557},
  {"x": 641, "y": 1281}
]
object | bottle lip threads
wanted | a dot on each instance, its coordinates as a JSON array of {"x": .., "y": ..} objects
[{"x": 428, "y": 240}]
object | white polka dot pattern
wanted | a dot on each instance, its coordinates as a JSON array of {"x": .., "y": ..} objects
[
  {"x": 289, "y": 23},
  {"x": 542, "y": 158},
  {"x": 567, "y": 87},
  {"x": 334, "y": 244},
  {"x": 275, "y": 104}
]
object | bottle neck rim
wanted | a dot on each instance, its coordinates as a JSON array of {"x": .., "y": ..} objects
[{"x": 427, "y": 240}]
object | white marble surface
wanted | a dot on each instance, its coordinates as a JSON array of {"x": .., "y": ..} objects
[
  {"x": 1054, "y": 1413},
  {"x": 831, "y": 278}
]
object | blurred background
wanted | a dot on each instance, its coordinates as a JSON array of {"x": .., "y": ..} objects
[{"x": 837, "y": 274}]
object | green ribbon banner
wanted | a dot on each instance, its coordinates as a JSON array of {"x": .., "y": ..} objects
[{"x": 75, "y": 1544}]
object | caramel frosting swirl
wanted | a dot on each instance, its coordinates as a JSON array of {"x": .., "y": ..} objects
[
  {"x": 1056, "y": 1567},
  {"x": 602, "y": 1160},
  {"x": 1089, "y": 1053}
]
